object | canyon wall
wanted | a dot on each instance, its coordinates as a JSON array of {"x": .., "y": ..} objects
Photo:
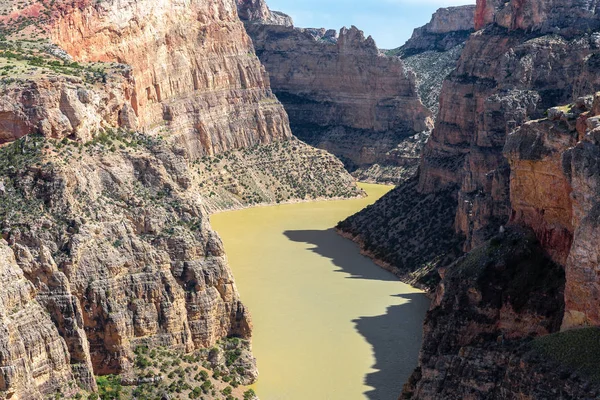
[
  {"x": 554, "y": 181},
  {"x": 448, "y": 28},
  {"x": 542, "y": 176},
  {"x": 116, "y": 119},
  {"x": 502, "y": 80},
  {"x": 434, "y": 49},
  {"x": 194, "y": 71},
  {"x": 344, "y": 96},
  {"x": 522, "y": 175},
  {"x": 526, "y": 284}
]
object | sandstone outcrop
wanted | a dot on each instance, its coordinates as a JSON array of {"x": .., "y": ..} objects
[
  {"x": 344, "y": 96},
  {"x": 499, "y": 83},
  {"x": 63, "y": 106}
]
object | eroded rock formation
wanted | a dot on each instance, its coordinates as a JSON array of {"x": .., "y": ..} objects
[
  {"x": 119, "y": 251},
  {"x": 505, "y": 158},
  {"x": 195, "y": 74},
  {"x": 118, "y": 112},
  {"x": 344, "y": 96}
]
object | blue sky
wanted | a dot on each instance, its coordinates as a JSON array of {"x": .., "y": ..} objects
[{"x": 390, "y": 22}]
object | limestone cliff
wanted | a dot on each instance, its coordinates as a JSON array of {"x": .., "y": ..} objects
[
  {"x": 257, "y": 11},
  {"x": 503, "y": 78},
  {"x": 344, "y": 96},
  {"x": 525, "y": 58}
]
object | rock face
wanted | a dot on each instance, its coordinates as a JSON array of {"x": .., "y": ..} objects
[
  {"x": 119, "y": 251},
  {"x": 257, "y": 11},
  {"x": 343, "y": 96},
  {"x": 31, "y": 347},
  {"x": 63, "y": 106},
  {"x": 434, "y": 49},
  {"x": 195, "y": 74},
  {"x": 499, "y": 83},
  {"x": 560, "y": 155},
  {"x": 106, "y": 242},
  {"x": 448, "y": 28},
  {"x": 502, "y": 162},
  {"x": 477, "y": 332}
]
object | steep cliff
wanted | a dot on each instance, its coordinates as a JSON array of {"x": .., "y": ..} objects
[
  {"x": 195, "y": 74},
  {"x": 547, "y": 183},
  {"x": 434, "y": 49},
  {"x": 503, "y": 78},
  {"x": 343, "y": 96},
  {"x": 118, "y": 248},
  {"x": 477, "y": 334},
  {"x": 448, "y": 28},
  {"x": 120, "y": 121},
  {"x": 554, "y": 180}
]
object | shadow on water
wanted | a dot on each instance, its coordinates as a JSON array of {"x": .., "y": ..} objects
[
  {"x": 396, "y": 340},
  {"x": 343, "y": 252},
  {"x": 394, "y": 336}
]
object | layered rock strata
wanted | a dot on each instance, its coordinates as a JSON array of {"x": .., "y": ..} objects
[
  {"x": 448, "y": 28},
  {"x": 344, "y": 96},
  {"x": 117, "y": 245},
  {"x": 525, "y": 58},
  {"x": 477, "y": 334},
  {"x": 194, "y": 71},
  {"x": 502, "y": 80},
  {"x": 554, "y": 181},
  {"x": 103, "y": 189}
]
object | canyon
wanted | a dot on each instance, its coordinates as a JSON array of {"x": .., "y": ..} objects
[
  {"x": 342, "y": 94},
  {"x": 125, "y": 123},
  {"x": 110, "y": 165},
  {"x": 509, "y": 255}
]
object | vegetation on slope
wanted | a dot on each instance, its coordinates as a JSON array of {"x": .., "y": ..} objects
[{"x": 410, "y": 233}]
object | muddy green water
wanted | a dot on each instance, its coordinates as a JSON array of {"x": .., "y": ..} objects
[{"x": 328, "y": 323}]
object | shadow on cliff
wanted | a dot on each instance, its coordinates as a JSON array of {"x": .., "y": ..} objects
[
  {"x": 343, "y": 252},
  {"x": 394, "y": 336}
]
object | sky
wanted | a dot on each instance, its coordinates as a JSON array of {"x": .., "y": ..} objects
[{"x": 390, "y": 22}]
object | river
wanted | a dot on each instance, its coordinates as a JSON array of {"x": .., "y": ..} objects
[{"x": 328, "y": 323}]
